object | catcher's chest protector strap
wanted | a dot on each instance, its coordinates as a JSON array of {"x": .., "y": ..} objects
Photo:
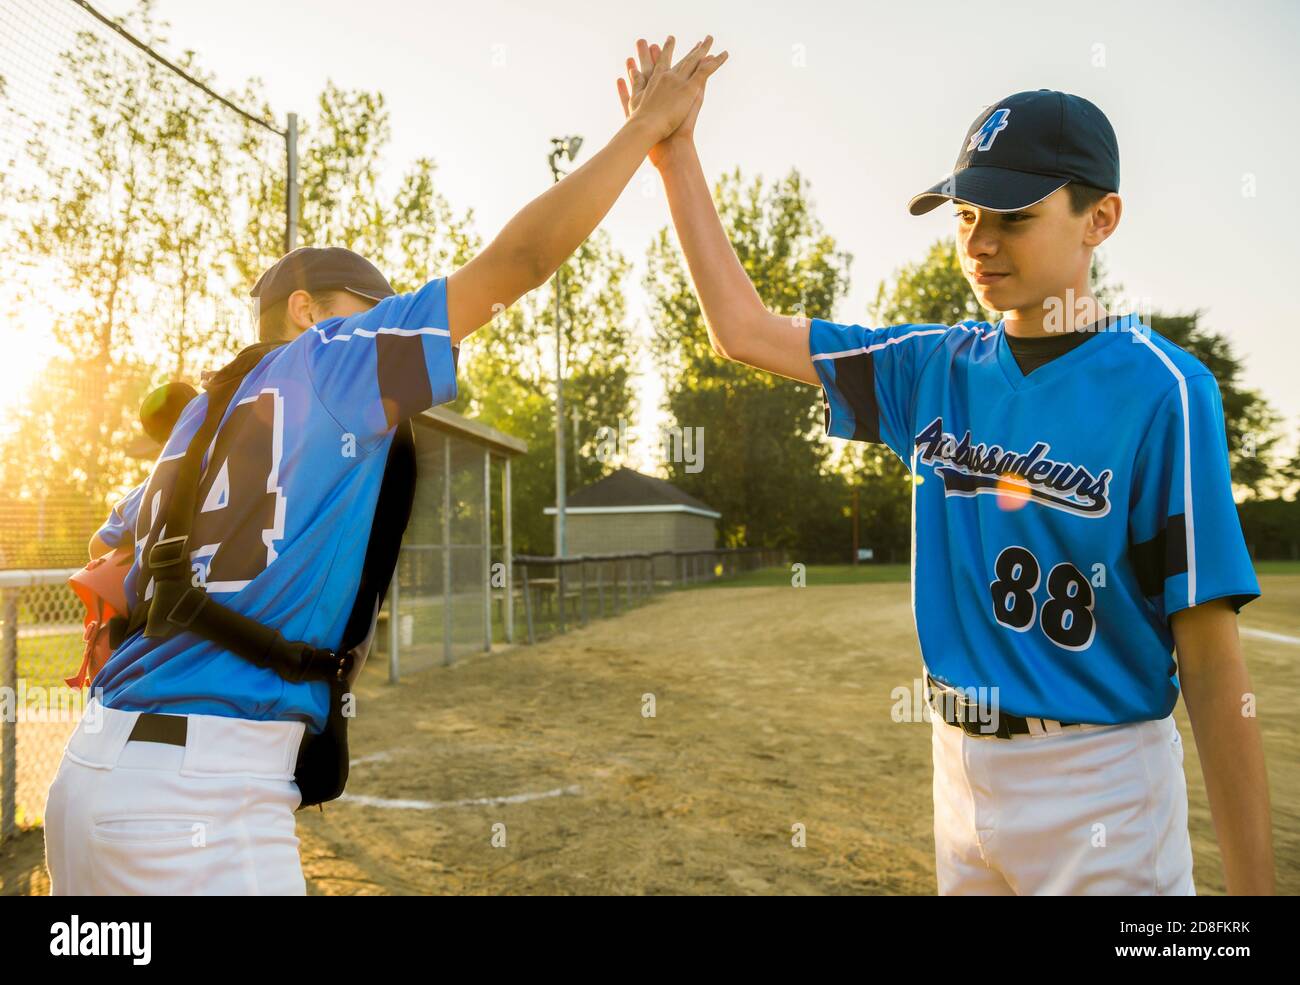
[
  {"x": 322, "y": 770},
  {"x": 176, "y": 606}
]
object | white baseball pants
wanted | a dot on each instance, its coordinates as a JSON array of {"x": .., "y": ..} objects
[
  {"x": 1092, "y": 810},
  {"x": 212, "y": 817}
]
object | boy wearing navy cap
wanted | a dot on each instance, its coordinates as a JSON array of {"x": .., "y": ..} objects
[{"x": 1073, "y": 519}]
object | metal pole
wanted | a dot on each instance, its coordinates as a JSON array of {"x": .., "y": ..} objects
[
  {"x": 528, "y": 607},
  {"x": 559, "y": 426},
  {"x": 507, "y": 552},
  {"x": 291, "y": 185},
  {"x": 562, "y": 148},
  {"x": 394, "y": 665},
  {"x": 446, "y": 551},
  {"x": 487, "y": 551},
  {"x": 559, "y": 593}
]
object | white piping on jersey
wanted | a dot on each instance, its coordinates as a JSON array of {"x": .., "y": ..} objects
[
  {"x": 903, "y": 338},
  {"x": 367, "y": 333},
  {"x": 879, "y": 345},
  {"x": 1187, "y": 464},
  {"x": 912, "y": 550}
]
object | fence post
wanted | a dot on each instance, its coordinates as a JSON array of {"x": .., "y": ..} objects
[
  {"x": 394, "y": 666},
  {"x": 9, "y": 729},
  {"x": 487, "y": 551},
  {"x": 528, "y": 607},
  {"x": 559, "y": 592},
  {"x": 507, "y": 553},
  {"x": 446, "y": 551},
  {"x": 600, "y": 588},
  {"x": 582, "y": 590}
]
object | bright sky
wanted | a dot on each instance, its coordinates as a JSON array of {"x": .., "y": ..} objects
[{"x": 869, "y": 100}]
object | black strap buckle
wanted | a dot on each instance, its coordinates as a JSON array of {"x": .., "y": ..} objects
[
  {"x": 187, "y": 607},
  {"x": 323, "y": 665},
  {"x": 167, "y": 553}
]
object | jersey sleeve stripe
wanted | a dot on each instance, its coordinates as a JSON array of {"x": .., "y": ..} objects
[
  {"x": 403, "y": 378},
  {"x": 856, "y": 377},
  {"x": 367, "y": 333},
  {"x": 879, "y": 345},
  {"x": 1189, "y": 526},
  {"x": 1162, "y": 557}
]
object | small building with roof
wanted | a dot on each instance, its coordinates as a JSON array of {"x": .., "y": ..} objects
[{"x": 630, "y": 511}]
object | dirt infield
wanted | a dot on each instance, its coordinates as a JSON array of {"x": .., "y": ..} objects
[{"x": 772, "y": 709}]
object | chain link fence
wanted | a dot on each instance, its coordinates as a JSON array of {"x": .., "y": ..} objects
[
  {"x": 136, "y": 206},
  {"x": 40, "y": 646},
  {"x": 444, "y": 588},
  {"x": 559, "y": 594}
]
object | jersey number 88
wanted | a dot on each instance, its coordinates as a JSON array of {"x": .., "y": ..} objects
[{"x": 1066, "y": 618}]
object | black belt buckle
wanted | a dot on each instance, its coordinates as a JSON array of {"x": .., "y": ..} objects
[
  {"x": 976, "y": 728},
  {"x": 956, "y": 700}
]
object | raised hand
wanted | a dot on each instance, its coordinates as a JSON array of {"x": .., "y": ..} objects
[{"x": 655, "y": 86}]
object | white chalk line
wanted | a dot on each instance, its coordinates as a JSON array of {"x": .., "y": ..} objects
[
  {"x": 1264, "y": 634},
  {"x": 374, "y": 757},
  {"x": 437, "y": 805}
]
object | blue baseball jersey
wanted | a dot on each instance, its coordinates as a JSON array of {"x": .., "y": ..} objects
[
  {"x": 1059, "y": 518},
  {"x": 285, "y": 504}
]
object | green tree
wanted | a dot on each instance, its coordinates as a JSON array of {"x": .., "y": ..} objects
[
  {"x": 1251, "y": 422},
  {"x": 426, "y": 237},
  {"x": 127, "y": 260},
  {"x": 508, "y": 381},
  {"x": 342, "y": 204},
  {"x": 764, "y": 464},
  {"x": 932, "y": 291},
  {"x": 154, "y": 209}
]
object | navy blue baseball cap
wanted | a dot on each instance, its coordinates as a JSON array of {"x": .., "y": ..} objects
[
  {"x": 313, "y": 269},
  {"x": 1025, "y": 147}
]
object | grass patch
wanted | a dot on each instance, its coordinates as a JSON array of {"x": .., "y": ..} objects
[
  {"x": 815, "y": 575},
  {"x": 1277, "y": 567}
]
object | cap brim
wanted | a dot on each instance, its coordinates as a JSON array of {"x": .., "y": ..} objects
[
  {"x": 371, "y": 296},
  {"x": 995, "y": 189}
]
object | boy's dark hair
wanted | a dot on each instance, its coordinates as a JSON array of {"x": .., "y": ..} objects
[
  {"x": 272, "y": 323},
  {"x": 1083, "y": 197}
]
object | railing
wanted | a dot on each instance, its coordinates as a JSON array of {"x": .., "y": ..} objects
[{"x": 580, "y": 586}]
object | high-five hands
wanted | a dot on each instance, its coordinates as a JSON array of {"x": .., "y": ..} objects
[{"x": 671, "y": 94}]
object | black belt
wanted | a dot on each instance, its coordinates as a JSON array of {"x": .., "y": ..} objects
[
  {"x": 952, "y": 706},
  {"x": 149, "y": 727}
]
